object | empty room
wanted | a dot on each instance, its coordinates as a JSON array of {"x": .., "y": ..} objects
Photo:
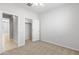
[{"x": 39, "y": 28}]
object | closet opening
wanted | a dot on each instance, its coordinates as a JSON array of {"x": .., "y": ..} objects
[{"x": 28, "y": 30}]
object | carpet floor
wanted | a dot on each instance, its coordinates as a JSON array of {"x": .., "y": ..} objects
[{"x": 40, "y": 48}]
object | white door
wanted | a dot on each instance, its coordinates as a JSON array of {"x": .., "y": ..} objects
[{"x": 35, "y": 30}]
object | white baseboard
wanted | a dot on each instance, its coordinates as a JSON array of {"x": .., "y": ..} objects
[{"x": 61, "y": 45}]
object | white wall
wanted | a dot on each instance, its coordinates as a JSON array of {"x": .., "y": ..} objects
[
  {"x": 61, "y": 26},
  {"x": 1, "y": 47},
  {"x": 22, "y": 13}
]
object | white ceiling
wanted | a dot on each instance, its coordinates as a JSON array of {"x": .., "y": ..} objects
[{"x": 47, "y": 7}]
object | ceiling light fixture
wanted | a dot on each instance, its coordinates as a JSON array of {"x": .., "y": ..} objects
[
  {"x": 38, "y": 4},
  {"x": 35, "y": 4}
]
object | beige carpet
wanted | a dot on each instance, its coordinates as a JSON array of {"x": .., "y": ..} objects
[{"x": 40, "y": 48}]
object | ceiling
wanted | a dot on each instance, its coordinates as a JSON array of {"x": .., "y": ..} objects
[{"x": 46, "y": 7}]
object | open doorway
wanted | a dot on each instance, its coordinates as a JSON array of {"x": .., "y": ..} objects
[
  {"x": 28, "y": 30},
  {"x": 10, "y": 31}
]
